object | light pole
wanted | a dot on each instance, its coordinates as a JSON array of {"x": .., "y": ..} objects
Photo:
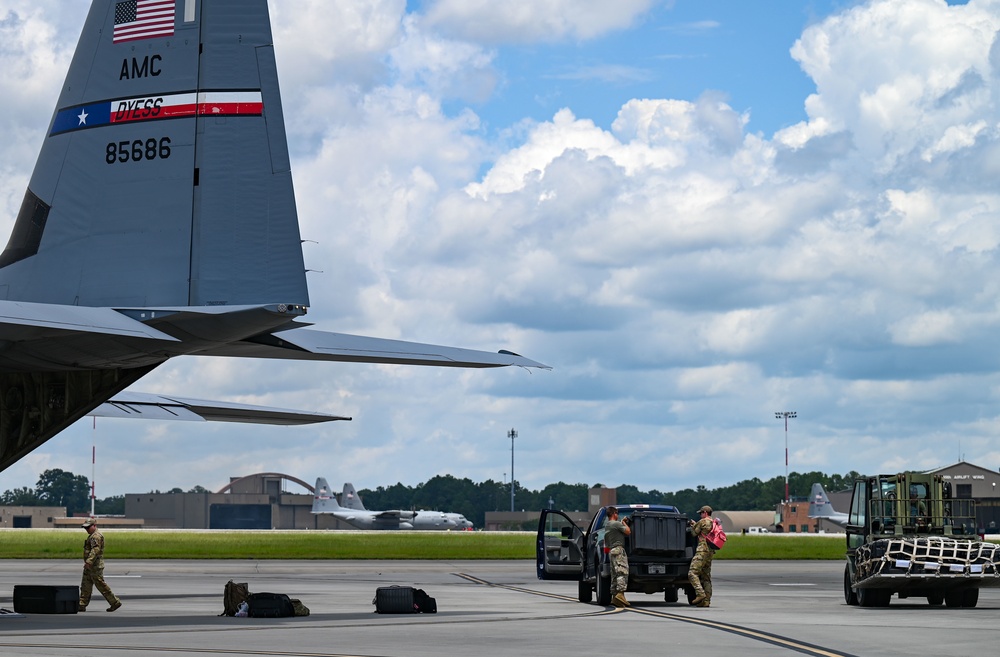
[
  {"x": 512, "y": 435},
  {"x": 785, "y": 415}
]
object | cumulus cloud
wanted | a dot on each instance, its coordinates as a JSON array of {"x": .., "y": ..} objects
[
  {"x": 685, "y": 277},
  {"x": 36, "y": 43},
  {"x": 896, "y": 84}
]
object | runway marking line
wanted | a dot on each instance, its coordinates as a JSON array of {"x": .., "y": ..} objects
[
  {"x": 757, "y": 635},
  {"x": 803, "y": 584},
  {"x": 92, "y": 649}
]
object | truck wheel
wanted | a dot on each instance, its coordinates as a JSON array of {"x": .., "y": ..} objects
[
  {"x": 970, "y": 597},
  {"x": 953, "y": 597},
  {"x": 670, "y": 594},
  {"x": 935, "y": 599},
  {"x": 850, "y": 595},
  {"x": 603, "y": 589},
  {"x": 874, "y": 597},
  {"x": 586, "y": 592}
]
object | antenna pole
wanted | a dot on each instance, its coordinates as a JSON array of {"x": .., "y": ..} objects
[
  {"x": 93, "y": 468},
  {"x": 786, "y": 415},
  {"x": 512, "y": 435}
]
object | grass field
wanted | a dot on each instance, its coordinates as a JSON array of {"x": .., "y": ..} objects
[{"x": 165, "y": 544}]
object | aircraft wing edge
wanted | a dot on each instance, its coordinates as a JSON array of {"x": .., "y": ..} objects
[
  {"x": 310, "y": 344},
  {"x": 146, "y": 406}
]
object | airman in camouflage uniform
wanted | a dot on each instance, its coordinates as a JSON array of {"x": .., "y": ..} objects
[
  {"x": 615, "y": 532},
  {"x": 93, "y": 569},
  {"x": 700, "y": 572}
]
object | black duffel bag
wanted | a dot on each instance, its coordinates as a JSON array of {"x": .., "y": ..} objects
[
  {"x": 403, "y": 600},
  {"x": 269, "y": 605}
]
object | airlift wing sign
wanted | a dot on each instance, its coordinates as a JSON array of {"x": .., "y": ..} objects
[{"x": 152, "y": 108}]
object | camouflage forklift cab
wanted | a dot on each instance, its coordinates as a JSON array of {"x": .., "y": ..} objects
[{"x": 907, "y": 535}]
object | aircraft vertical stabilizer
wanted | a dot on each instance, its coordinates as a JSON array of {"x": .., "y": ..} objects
[
  {"x": 324, "y": 499},
  {"x": 160, "y": 221},
  {"x": 350, "y": 498},
  {"x": 821, "y": 507},
  {"x": 164, "y": 178}
]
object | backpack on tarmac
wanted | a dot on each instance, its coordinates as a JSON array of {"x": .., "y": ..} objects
[
  {"x": 300, "y": 609},
  {"x": 425, "y": 604},
  {"x": 233, "y": 595},
  {"x": 716, "y": 537}
]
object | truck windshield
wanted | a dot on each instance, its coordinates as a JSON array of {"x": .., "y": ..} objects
[{"x": 622, "y": 514}]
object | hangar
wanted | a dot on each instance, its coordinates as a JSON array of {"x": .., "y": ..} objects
[{"x": 257, "y": 501}]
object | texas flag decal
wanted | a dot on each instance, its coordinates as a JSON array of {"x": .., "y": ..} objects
[{"x": 154, "y": 108}]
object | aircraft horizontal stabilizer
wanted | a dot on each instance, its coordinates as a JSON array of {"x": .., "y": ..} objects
[
  {"x": 21, "y": 320},
  {"x": 309, "y": 344},
  {"x": 156, "y": 407}
]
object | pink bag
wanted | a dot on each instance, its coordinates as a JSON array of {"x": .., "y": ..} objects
[{"x": 716, "y": 538}]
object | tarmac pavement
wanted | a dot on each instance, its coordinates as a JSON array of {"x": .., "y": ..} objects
[{"x": 484, "y": 607}]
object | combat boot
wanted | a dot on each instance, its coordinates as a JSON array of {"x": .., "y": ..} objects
[
  {"x": 115, "y": 605},
  {"x": 698, "y": 599},
  {"x": 620, "y": 597}
]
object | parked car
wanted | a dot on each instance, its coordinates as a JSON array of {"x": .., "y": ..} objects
[{"x": 659, "y": 549}]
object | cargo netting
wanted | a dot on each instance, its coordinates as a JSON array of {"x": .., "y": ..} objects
[{"x": 932, "y": 555}]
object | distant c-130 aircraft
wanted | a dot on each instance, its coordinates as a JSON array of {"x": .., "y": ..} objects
[
  {"x": 820, "y": 507},
  {"x": 160, "y": 221},
  {"x": 325, "y": 501},
  {"x": 350, "y": 499}
]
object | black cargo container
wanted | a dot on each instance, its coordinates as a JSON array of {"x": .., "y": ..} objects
[
  {"x": 34, "y": 599},
  {"x": 658, "y": 532}
]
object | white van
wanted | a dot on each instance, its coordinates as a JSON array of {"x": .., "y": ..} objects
[{"x": 758, "y": 530}]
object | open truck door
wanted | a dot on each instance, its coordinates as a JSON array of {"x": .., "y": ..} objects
[{"x": 559, "y": 547}]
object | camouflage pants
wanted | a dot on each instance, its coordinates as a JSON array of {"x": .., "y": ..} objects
[
  {"x": 93, "y": 577},
  {"x": 619, "y": 570},
  {"x": 700, "y": 573}
]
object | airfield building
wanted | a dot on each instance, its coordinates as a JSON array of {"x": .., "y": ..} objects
[{"x": 257, "y": 501}]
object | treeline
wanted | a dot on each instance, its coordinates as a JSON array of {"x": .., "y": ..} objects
[
  {"x": 60, "y": 488},
  {"x": 471, "y": 499}
]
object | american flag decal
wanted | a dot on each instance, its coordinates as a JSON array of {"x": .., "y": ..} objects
[{"x": 143, "y": 19}]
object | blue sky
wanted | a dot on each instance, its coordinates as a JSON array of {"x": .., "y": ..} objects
[
  {"x": 678, "y": 51},
  {"x": 699, "y": 213}
]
